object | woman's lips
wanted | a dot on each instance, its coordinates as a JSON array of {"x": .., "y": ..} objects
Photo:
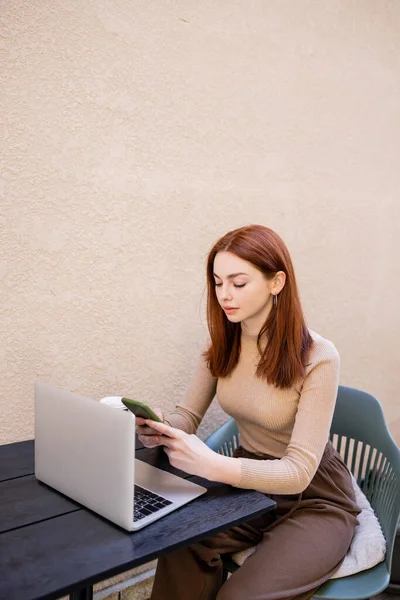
[{"x": 229, "y": 309}]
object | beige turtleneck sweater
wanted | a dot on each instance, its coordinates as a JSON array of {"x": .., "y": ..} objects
[{"x": 292, "y": 424}]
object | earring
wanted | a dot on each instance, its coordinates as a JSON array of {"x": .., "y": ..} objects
[{"x": 275, "y": 300}]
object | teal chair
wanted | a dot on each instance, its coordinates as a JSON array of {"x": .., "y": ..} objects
[{"x": 360, "y": 434}]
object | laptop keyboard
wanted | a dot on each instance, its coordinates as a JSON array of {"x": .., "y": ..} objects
[{"x": 146, "y": 503}]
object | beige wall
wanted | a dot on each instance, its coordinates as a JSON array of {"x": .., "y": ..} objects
[{"x": 136, "y": 133}]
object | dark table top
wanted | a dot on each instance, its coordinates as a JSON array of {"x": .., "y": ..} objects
[{"x": 50, "y": 545}]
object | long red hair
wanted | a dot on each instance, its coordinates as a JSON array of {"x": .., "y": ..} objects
[{"x": 284, "y": 358}]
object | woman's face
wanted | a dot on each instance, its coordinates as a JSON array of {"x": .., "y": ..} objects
[{"x": 243, "y": 292}]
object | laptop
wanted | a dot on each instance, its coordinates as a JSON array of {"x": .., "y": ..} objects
[{"x": 86, "y": 450}]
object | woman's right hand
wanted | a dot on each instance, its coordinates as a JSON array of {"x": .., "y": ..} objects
[{"x": 149, "y": 437}]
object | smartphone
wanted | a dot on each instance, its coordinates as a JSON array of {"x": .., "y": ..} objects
[{"x": 140, "y": 409}]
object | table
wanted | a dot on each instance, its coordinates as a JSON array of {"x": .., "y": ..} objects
[{"x": 50, "y": 546}]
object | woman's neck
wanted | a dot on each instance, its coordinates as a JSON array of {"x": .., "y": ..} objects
[
  {"x": 253, "y": 325},
  {"x": 249, "y": 331}
]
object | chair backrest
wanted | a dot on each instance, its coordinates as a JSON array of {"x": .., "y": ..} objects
[
  {"x": 360, "y": 435},
  {"x": 225, "y": 439}
]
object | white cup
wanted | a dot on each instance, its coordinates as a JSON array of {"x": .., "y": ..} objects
[{"x": 114, "y": 402}]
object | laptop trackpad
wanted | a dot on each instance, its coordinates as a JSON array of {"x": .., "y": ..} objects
[{"x": 165, "y": 484}]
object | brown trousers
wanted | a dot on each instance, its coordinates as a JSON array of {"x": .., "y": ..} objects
[{"x": 300, "y": 545}]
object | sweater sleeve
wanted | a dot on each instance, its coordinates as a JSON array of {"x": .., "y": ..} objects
[
  {"x": 292, "y": 473},
  {"x": 199, "y": 395}
]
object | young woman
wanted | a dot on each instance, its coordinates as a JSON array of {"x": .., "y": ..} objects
[{"x": 279, "y": 381}]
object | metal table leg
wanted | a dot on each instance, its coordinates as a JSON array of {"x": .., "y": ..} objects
[{"x": 85, "y": 593}]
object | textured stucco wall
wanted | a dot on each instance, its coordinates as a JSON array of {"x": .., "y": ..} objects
[{"x": 136, "y": 133}]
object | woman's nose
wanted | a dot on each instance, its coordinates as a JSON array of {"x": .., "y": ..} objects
[{"x": 225, "y": 294}]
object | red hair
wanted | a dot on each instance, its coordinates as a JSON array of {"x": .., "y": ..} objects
[{"x": 284, "y": 358}]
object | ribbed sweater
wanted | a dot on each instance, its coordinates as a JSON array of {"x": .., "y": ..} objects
[{"x": 291, "y": 424}]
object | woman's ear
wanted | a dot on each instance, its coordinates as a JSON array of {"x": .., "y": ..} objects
[{"x": 278, "y": 282}]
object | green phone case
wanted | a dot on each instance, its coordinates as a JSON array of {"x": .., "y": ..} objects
[{"x": 140, "y": 409}]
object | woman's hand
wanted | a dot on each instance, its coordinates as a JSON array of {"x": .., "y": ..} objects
[
  {"x": 186, "y": 451},
  {"x": 149, "y": 437}
]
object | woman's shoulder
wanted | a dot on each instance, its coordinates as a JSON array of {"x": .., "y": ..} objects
[{"x": 322, "y": 349}]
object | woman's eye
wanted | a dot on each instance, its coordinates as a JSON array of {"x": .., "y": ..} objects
[{"x": 236, "y": 285}]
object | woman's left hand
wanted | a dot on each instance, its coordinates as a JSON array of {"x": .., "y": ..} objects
[{"x": 185, "y": 451}]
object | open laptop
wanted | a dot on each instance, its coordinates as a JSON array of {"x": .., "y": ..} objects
[{"x": 86, "y": 450}]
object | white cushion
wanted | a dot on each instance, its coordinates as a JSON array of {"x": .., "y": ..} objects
[{"x": 367, "y": 548}]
